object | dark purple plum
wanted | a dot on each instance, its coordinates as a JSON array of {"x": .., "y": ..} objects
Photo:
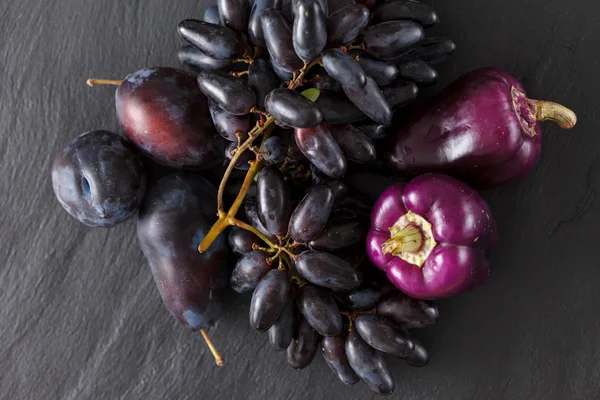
[
  {"x": 176, "y": 215},
  {"x": 162, "y": 111},
  {"x": 99, "y": 179}
]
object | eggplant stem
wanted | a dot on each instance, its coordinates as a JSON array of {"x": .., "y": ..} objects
[{"x": 550, "y": 111}]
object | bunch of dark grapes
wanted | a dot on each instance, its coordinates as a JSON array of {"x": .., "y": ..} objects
[{"x": 304, "y": 269}]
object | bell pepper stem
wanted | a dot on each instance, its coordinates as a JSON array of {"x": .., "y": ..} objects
[
  {"x": 550, "y": 111},
  {"x": 408, "y": 239}
]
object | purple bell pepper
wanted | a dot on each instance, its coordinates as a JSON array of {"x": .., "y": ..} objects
[
  {"x": 432, "y": 236},
  {"x": 483, "y": 129}
]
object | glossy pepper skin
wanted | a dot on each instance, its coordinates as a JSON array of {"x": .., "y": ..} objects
[
  {"x": 482, "y": 129},
  {"x": 431, "y": 236}
]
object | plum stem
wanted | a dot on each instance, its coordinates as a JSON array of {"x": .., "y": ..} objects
[
  {"x": 218, "y": 359},
  {"x": 94, "y": 82},
  {"x": 550, "y": 111}
]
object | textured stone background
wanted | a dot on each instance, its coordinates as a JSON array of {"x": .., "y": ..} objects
[{"x": 80, "y": 317}]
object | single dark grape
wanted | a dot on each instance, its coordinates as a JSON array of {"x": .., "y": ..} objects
[
  {"x": 405, "y": 9},
  {"x": 310, "y": 216},
  {"x": 262, "y": 79},
  {"x": 339, "y": 234},
  {"x": 344, "y": 25},
  {"x": 304, "y": 345},
  {"x": 255, "y": 32},
  {"x": 340, "y": 190},
  {"x": 309, "y": 32},
  {"x": 278, "y": 38},
  {"x": 292, "y": 109},
  {"x": 249, "y": 270},
  {"x": 390, "y": 39},
  {"x": 369, "y": 364},
  {"x": 99, "y": 179},
  {"x": 344, "y": 68},
  {"x": 251, "y": 211},
  {"x": 283, "y": 75},
  {"x": 274, "y": 150},
  {"x": 400, "y": 93},
  {"x": 178, "y": 212},
  {"x": 419, "y": 72},
  {"x": 216, "y": 41},
  {"x": 328, "y": 271},
  {"x": 382, "y": 72},
  {"x": 319, "y": 146},
  {"x": 356, "y": 145},
  {"x": 323, "y": 3},
  {"x": 268, "y": 299},
  {"x": 407, "y": 312},
  {"x": 229, "y": 92},
  {"x": 333, "y": 349},
  {"x": 198, "y": 61},
  {"x": 281, "y": 333},
  {"x": 419, "y": 357},
  {"x": 241, "y": 240},
  {"x": 361, "y": 299},
  {"x": 337, "y": 108},
  {"x": 433, "y": 50},
  {"x": 370, "y": 100},
  {"x": 162, "y": 111},
  {"x": 231, "y": 127},
  {"x": 320, "y": 310},
  {"x": 211, "y": 15},
  {"x": 234, "y": 14},
  {"x": 243, "y": 163},
  {"x": 381, "y": 334},
  {"x": 273, "y": 200}
]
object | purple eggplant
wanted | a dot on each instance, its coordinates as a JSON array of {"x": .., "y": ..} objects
[
  {"x": 482, "y": 129},
  {"x": 432, "y": 236}
]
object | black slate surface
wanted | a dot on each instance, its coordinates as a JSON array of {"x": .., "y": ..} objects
[{"x": 80, "y": 317}]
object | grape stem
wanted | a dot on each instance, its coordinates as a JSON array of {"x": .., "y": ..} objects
[
  {"x": 262, "y": 127},
  {"x": 218, "y": 359},
  {"x": 252, "y": 229}
]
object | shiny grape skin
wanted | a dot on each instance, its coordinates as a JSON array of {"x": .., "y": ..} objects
[
  {"x": 344, "y": 68},
  {"x": 268, "y": 299},
  {"x": 400, "y": 93},
  {"x": 262, "y": 79},
  {"x": 278, "y": 38},
  {"x": 162, "y": 111},
  {"x": 243, "y": 162},
  {"x": 304, "y": 345},
  {"x": 319, "y": 146},
  {"x": 419, "y": 357},
  {"x": 234, "y": 14},
  {"x": 320, "y": 310},
  {"x": 291, "y": 148},
  {"x": 340, "y": 190},
  {"x": 310, "y": 216},
  {"x": 292, "y": 109},
  {"x": 328, "y": 271},
  {"x": 282, "y": 331},
  {"x": 382, "y": 72},
  {"x": 390, "y": 39},
  {"x": 229, "y": 126},
  {"x": 241, "y": 240},
  {"x": 333, "y": 349},
  {"x": 345, "y": 24},
  {"x": 309, "y": 32},
  {"x": 419, "y": 72},
  {"x": 216, "y": 41},
  {"x": 407, "y": 312},
  {"x": 251, "y": 211},
  {"x": 370, "y": 101},
  {"x": 361, "y": 299},
  {"x": 197, "y": 60},
  {"x": 337, "y": 108},
  {"x": 383, "y": 335},
  {"x": 356, "y": 146},
  {"x": 283, "y": 75},
  {"x": 335, "y": 5},
  {"x": 273, "y": 200},
  {"x": 405, "y": 9},
  {"x": 433, "y": 50},
  {"x": 339, "y": 234},
  {"x": 249, "y": 270},
  {"x": 231, "y": 93},
  {"x": 211, "y": 15},
  {"x": 178, "y": 212},
  {"x": 321, "y": 80},
  {"x": 369, "y": 364},
  {"x": 255, "y": 32},
  {"x": 374, "y": 131},
  {"x": 274, "y": 150},
  {"x": 99, "y": 179}
]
